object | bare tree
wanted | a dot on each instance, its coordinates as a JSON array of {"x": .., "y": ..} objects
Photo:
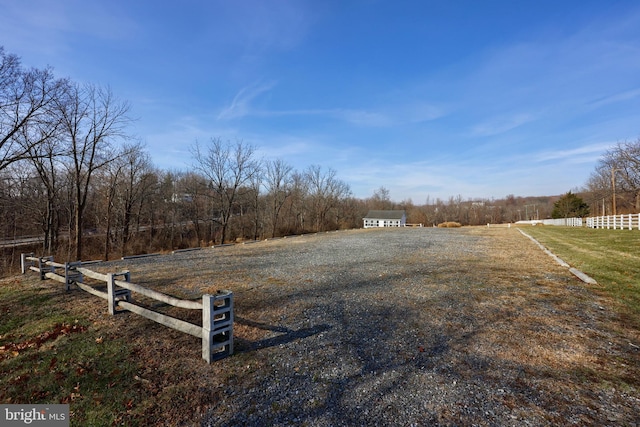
[
  {"x": 135, "y": 184},
  {"x": 109, "y": 180},
  {"x": 123, "y": 184},
  {"x": 599, "y": 187},
  {"x": 295, "y": 207},
  {"x": 256, "y": 202},
  {"x": 27, "y": 98},
  {"x": 45, "y": 159},
  {"x": 617, "y": 176},
  {"x": 229, "y": 169},
  {"x": 627, "y": 155},
  {"x": 169, "y": 203},
  {"x": 195, "y": 186},
  {"x": 21, "y": 197},
  {"x": 325, "y": 191},
  {"x": 381, "y": 199},
  {"x": 278, "y": 183},
  {"x": 92, "y": 119}
]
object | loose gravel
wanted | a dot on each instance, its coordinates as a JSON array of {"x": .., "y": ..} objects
[{"x": 393, "y": 327}]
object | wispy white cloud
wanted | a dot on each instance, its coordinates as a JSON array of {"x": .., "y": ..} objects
[
  {"x": 615, "y": 98},
  {"x": 258, "y": 27},
  {"x": 359, "y": 117},
  {"x": 287, "y": 147},
  {"x": 49, "y": 28},
  {"x": 498, "y": 125},
  {"x": 241, "y": 104},
  {"x": 551, "y": 75},
  {"x": 421, "y": 112},
  {"x": 583, "y": 154},
  {"x": 419, "y": 180},
  {"x": 362, "y": 117}
]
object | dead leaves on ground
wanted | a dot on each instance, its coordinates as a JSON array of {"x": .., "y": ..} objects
[{"x": 15, "y": 348}]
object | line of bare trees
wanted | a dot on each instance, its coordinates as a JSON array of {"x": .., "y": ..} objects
[
  {"x": 614, "y": 185},
  {"x": 129, "y": 206},
  {"x": 55, "y": 135}
]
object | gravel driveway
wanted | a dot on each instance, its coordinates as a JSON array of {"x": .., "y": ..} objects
[{"x": 392, "y": 327}]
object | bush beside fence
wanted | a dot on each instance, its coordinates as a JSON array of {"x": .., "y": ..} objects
[{"x": 216, "y": 331}]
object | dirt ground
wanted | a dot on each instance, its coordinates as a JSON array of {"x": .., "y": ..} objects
[{"x": 471, "y": 326}]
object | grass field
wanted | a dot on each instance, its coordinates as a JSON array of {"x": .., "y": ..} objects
[{"x": 612, "y": 257}]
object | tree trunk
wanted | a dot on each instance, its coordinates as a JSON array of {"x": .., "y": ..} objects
[
  {"x": 78, "y": 236},
  {"x": 108, "y": 231}
]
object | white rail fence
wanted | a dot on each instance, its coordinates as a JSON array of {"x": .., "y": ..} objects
[
  {"x": 615, "y": 222},
  {"x": 216, "y": 331},
  {"x": 567, "y": 222}
]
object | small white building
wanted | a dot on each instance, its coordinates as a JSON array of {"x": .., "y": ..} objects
[{"x": 396, "y": 218}]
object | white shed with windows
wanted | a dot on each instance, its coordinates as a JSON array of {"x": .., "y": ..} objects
[{"x": 394, "y": 218}]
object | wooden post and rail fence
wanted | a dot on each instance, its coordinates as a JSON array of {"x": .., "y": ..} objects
[{"x": 216, "y": 331}]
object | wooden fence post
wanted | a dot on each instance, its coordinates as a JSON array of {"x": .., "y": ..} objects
[{"x": 217, "y": 325}]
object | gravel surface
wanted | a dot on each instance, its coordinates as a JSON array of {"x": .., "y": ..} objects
[{"x": 395, "y": 327}]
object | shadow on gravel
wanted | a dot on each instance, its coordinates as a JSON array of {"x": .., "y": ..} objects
[{"x": 288, "y": 335}]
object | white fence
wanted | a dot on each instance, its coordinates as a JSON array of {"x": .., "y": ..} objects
[
  {"x": 616, "y": 222},
  {"x": 217, "y": 310},
  {"x": 567, "y": 222}
]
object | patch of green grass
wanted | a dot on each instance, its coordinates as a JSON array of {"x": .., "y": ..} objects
[
  {"x": 611, "y": 257},
  {"x": 18, "y": 308},
  {"x": 50, "y": 355}
]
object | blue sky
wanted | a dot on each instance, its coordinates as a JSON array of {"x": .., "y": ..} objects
[{"x": 427, "y": 98}]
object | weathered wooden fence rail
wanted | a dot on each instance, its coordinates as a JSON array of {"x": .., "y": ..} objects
[
  {"x": 216, "y": 331},
  {"x": 616, "y": 222}
]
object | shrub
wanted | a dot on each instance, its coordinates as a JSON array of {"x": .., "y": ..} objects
[{"x": 449, "y": 224}]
